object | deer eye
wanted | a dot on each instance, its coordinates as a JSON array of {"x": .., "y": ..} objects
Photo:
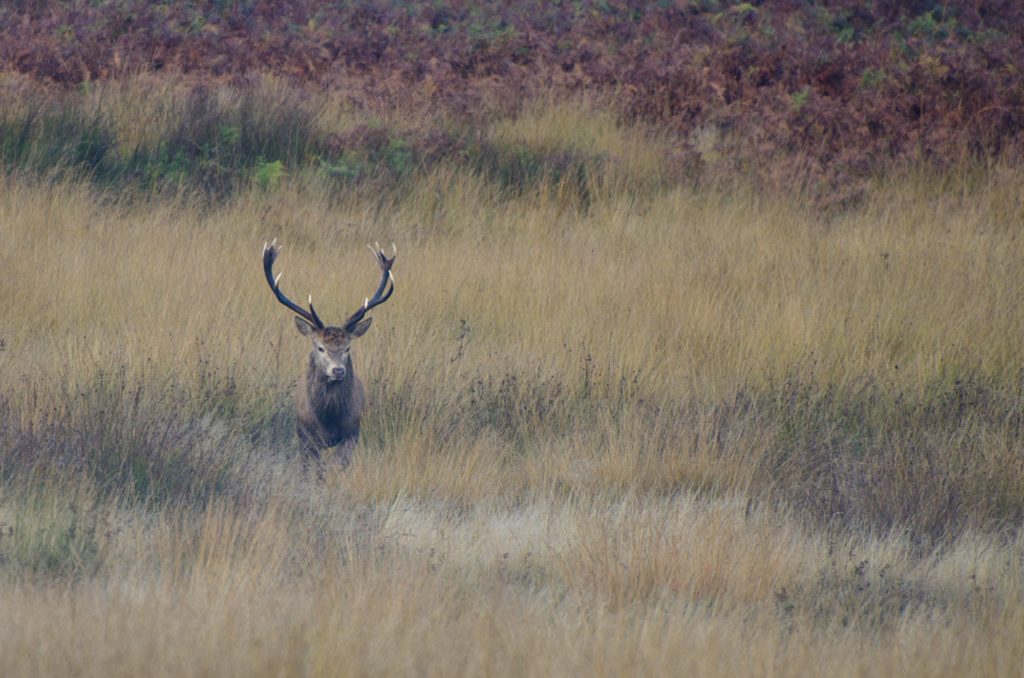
[{"x": 320, "y": 348}]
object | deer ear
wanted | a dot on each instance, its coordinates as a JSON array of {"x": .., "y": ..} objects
[
  {"x": 360, "y": 327},
  {"x": 305, "y": 327}
]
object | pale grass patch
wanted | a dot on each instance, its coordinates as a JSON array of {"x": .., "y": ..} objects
[{"x": 577, "y": 584}]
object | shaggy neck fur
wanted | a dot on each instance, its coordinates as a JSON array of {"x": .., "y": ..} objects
[{"x": 328, "y": 396}]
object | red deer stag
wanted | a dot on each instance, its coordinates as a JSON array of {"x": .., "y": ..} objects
[{"x": 329, "y": 396}]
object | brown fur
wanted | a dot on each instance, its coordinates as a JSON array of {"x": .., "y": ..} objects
[
  {"x": 328, "y": 411},
  {"x": 329, "y": 406}
]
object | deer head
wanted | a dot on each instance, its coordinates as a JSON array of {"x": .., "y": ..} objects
[{"x": 331, "y": 344}]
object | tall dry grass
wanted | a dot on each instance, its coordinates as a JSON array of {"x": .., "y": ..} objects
[{"x": 608, "y": 430}]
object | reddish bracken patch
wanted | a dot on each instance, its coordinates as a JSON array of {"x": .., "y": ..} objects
[{"x": 823, "y": 94}]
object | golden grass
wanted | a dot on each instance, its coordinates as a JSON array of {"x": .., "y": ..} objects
[
  {"x": 708, "y": 434},
  {"x": 639, "y": 585}
]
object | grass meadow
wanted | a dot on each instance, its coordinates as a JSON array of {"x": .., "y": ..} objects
[{"x": 615, "y": 424}]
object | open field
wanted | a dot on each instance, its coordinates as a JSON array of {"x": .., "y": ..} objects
[
  {"x": 613, "y": 426},
  {"x": 706, "y": 355}
]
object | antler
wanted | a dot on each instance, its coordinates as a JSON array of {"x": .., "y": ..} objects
[
  {"x": 269, "y": 255},
  {"x": 379, "y": 297}
]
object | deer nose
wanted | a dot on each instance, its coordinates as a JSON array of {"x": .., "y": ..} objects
[{"x": 338, "y": 372}]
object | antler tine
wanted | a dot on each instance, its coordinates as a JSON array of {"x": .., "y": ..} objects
[
  {"x": 269, "y": 256},
  {"x": 380, "y": 296},
  {"x": 316, "y": 318}
]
